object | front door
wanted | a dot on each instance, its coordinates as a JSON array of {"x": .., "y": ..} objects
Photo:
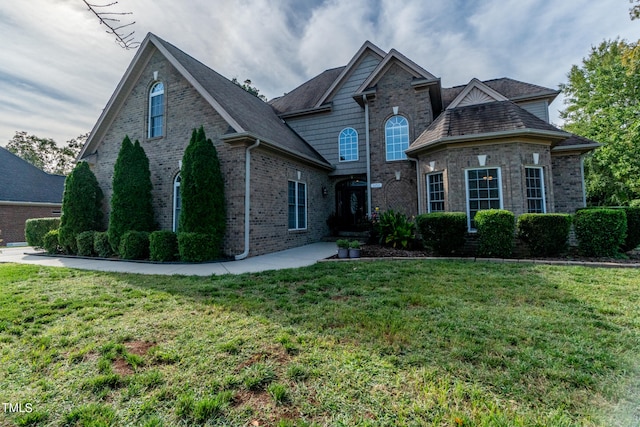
[{"x": 351, "y": 204}]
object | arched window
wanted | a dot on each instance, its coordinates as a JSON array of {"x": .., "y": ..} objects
[
  {"x": 396, "y": 132},
  {"x": 177, "y": 202},
  {"x": 156, "y": 110},
  {"x": 348, "y": 145}
]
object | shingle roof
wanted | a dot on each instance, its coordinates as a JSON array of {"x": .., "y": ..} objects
[
  {"x": 20, "y": 181},
  {"x": 511, "y": 89},
  {"x": 306, "y": 95}
]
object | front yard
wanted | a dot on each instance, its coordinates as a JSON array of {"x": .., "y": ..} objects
[{"x": 373, "y": 343}]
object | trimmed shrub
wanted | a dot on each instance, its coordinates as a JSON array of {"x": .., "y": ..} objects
[
  {"x": 81, "y": 206},
  {"x": 36, "y": 228},
  {"x": 163, "y": 246},
  {"x": 101, "y": 245},
  {"x": 444, "y": 232},
  {"x": 134, "y": 245},
  {"x": 50, "y": 242},
  {"x": 395, "y": 229},
  {"x": 600, "y": 232},
  {"x": 131, "y": 202},
  {"x": 84, "y": 242},
  {"x": 544, "y": 234},
  {"x": 496, "y": 229},
  {"x": 198, "y": 247},
  {"x": 633, "y": 228}
]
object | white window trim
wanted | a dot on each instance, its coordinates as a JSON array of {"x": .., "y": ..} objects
[
  {"x": 306, "y": 206},
  {"x": 149, "y": 99},
  {"x": 429, "y": 188},
  {"x": 466, "y": 184},
  {"x": 543, "y": 187},
  {"x": 386, "y": 142},
  {"x": 176, "y": 189},
  {"x": 357, "y": 145}
]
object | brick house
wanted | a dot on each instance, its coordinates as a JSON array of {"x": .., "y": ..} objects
[
  {"x": 25, "y": 192},
  {"x": 378, "y": 132}
]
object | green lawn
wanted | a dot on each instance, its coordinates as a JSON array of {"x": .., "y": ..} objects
[{"x": 371, "y": 343}]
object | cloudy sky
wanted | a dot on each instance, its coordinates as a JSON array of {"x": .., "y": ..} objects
[{"x": 58, "y": 67}]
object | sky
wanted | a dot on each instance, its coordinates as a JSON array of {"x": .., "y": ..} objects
[{"x": 58, "y": 66}]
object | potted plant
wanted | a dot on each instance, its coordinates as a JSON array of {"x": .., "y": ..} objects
[
  {"x": 354, "y": 249},
  {"x": 343, "y": 248}
]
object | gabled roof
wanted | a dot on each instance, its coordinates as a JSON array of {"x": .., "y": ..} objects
[
  {"x": 244, "y": 112},
  {"x": 20, "y": 181},
  {"x": 474, "y": 93},
  {"x": 308, "y": 94}
]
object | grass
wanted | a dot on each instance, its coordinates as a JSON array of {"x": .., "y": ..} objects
[{"x": 379, "y": 343}]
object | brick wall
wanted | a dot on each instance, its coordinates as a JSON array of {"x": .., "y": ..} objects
[
  {"x": 13, "y": 218},
  {"x": 567, "y": 182}
]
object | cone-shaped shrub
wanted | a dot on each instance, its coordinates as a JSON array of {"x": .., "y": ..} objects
[
  {"x": 131, "y": 202},
  {"x": 81, "y": 206}
]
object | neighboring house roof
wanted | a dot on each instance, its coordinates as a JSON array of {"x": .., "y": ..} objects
[
  {"x": 308, "y": 94},
  {"x": 244, "y": 112},
  {"x": 20, "y": 181}
]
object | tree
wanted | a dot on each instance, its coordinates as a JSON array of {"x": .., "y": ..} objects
[
  {"x": 251, "y": 89},
  {"x": 114, "y": 27},
  {"x": 45, "y": 154},
  {"x": 202, "y": 190},
  {"x": 131, "y": 202},
  {"x": 634, "y": 11},
  {"x": 81, "y": 206},
  {"x": 603, "y": 104}
]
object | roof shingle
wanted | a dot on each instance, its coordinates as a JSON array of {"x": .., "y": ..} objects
[{"x": 20, "y": 181}]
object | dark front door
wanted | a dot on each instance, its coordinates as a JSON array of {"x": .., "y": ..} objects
[{"x": 351, "y": 204}]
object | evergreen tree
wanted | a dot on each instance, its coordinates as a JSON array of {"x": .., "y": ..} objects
[
  {"x": 131, "y": 202},
  {"x": 202, "y": 188},
  {"x": 81, "y": 206}
]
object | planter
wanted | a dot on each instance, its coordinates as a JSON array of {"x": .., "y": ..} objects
[
  {"x": 354, "y": 253},
  {"x": 343, "y": 253}
]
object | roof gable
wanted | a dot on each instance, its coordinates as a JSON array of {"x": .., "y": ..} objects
[
  {"x": 475, "y": 93},
  {"x": 20, "y": 181}
]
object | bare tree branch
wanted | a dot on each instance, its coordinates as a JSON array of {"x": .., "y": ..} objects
[{"x": 125, "y": 40}]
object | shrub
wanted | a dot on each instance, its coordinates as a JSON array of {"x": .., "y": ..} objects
[
  {"x": 444, "y": 232},
  {"x": 496, "y": 229},
  {"x": 354, "y": 244},
  {"x": 342, "y": 243},
  {"x": 395, "y": 229},
  {"x": 134, "y": 245},
  {"x": 84, "y": 241},
  {"x": 101, "y": 245},
  {"x": 633, "y": 228},
  {"x": 81, "y": 206},
  {"x": 198, "y": 247},
  {"x": 36, "y": 228},
  {"x": 163, "y": 246},
  {"x": 544, "y": 234},
  {"x": 600, "y": 232},
  {"x": 50, "y": 242},
  {"x": 131, "y": 202}
]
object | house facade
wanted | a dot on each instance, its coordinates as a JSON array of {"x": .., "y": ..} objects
[{"x": 378, "y": 132}]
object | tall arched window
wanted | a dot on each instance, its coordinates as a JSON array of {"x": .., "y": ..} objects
[
  {"x": 396, "y": 132},
  {"x": 156, "y": 110},
  {"x": 348, "y": 145},
  {"x": 177, "y": 202}
]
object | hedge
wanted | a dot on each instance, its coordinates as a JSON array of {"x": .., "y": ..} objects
[
  {"x": 544, "y": 234},
  {"x": 163, "y": 246},
  {"x": 198, "y": 247},
  {"x": 134, "y": 245},
  {"x": 50, "y": 242},
  {"x": 444, "y": 232},
  {"x": 633, "y": 228},
  {"x": 496, "y": 229},
  {"x": 84, "y": 242},
  {"x": 600, "y": 232},
  {"x": 36, "y": 228},
  {"x": 101, "y": 245}
]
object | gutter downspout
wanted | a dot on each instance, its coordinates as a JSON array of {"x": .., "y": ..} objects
[
  {"x": 418, "y": 183},
  {"x": 368, "y": 146},
  {"x": 247, "y": 200}
]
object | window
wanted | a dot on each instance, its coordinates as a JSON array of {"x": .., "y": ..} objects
[
  {"x": 396, "y": 132},
  {"x": 297, "y": 205},
  {"x": 483, "y": 192},
  {"x": 435, "y": 192},
  {"x": 177, "y": 202},
  {"x": 535, "y": 190},
  {"x": 156, "y": 110},
  {"x": 348, "y": 145}
]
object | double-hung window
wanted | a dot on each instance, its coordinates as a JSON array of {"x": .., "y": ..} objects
[
  {"x": 156, "y": 110},
  {"x": 297, "y": 205},
  {"x": 483, "y": 192},
  {"x": 435, "y": 192},
  {"x": 535, "y": 190}
]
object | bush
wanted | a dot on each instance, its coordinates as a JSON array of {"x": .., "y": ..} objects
[
  {"x": 444, "y": 232},
  {"x": 600, "y": 232},
  {"x": 633, "y": 228},
  {"x": 134, "y": 245},
  {"x": 198, "y": 247},
  {"x": 544, "y": 234},
  {"x": 84, "y": 242},
  {"x": 36, "y": 228},
  {"x": 342, "y": 243},
  {"x": 163, "y": 246},
  {"x": 496, "y": 229},
  {"x": 395, "y": 229},
  {"x": 50, "y": 242},
  {"x": 101, "y": 245}
]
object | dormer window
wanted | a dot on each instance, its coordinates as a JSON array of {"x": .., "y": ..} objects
[{"x": 156, "y": 110}]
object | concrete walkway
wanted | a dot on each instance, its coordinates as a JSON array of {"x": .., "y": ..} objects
[{"x": 291, "y": 258}]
